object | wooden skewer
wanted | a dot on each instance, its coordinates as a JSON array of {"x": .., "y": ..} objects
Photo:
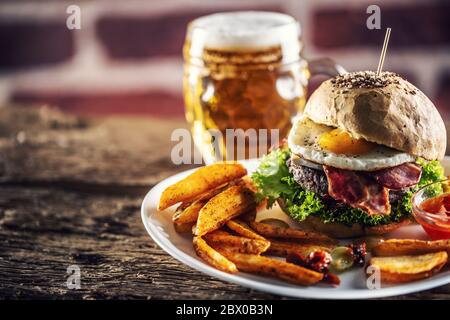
[{"x": 383, "y": 51}]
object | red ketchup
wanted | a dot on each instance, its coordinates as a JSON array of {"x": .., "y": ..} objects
[{"x": 437, "y": 225}]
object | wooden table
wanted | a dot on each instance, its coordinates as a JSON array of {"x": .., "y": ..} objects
[{"x": 70, "y": 194}]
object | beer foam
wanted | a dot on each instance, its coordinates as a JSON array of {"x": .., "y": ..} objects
[{"x": 244, "y": 30}]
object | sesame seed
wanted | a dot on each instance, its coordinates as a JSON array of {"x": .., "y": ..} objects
[{"x": 365, "y": 79}]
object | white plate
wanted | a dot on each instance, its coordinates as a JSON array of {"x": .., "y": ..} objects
[{"x": 353, "y": 283}]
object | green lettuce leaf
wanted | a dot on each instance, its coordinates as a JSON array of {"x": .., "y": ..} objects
[
  {"x": 270, "y": 174},
  {"x": 274, "y": 181}
]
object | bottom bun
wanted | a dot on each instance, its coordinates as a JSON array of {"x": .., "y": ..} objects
[{"x": 340, "y": 230}]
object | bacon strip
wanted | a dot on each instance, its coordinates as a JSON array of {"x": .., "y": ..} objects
[
  {"x": 399, "y": 177},
  {"x": 357, "y": 190}
]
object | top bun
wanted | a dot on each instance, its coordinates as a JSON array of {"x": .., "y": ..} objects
[{"x": 387, "y": 110}]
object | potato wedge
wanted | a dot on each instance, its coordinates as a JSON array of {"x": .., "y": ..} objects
[
  {"x": 284, "y": 248},
  {"x": 226, "y": 205},
  {"x": 405, "y": 247},
  {"x": 409, "y": 268},
  {"x": 213, "y": 192},
  {"x": 271, "y": 231},
  {"x": 212, "y": 257},
  {"x": 183, "y": 227},
  {"x": 274, "y": 268},
  {"x": 241, "y": 228},
  {"x": 202, "y": 180},
  {"x": 186, "y": 214},
  {"x": 235, "y": 243},
  {"x": 185, "y": 218},
  {"x": 189, "y": 213}
]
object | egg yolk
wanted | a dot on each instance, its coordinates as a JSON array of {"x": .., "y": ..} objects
[{"x": 340, "y": 142}]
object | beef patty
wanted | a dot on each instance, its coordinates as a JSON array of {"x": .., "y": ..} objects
[{"x": 316, "y": 181}]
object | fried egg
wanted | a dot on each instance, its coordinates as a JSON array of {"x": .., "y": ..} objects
[{"x": 334, "y": 147}]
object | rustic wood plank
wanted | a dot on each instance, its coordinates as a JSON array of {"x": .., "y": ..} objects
[
  {"x": 43, "y": 231},
  {"x": 39, "y": 146}
]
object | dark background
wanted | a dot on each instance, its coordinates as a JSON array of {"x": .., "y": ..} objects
[{"x": 126, "y": 59}]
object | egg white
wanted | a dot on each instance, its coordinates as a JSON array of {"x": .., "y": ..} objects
[{"x": 303, "y": 141}]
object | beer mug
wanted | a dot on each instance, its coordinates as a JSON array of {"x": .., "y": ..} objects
[{"x": 244, "y": 81}]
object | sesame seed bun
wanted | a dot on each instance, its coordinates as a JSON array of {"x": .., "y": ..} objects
[{"x": 387, "y": 110}]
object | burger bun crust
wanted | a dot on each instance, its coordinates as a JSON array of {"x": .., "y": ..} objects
[{"x": 397, "y": 115}]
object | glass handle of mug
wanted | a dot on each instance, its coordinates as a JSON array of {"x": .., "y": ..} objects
[{"x": 325, "y": 66}]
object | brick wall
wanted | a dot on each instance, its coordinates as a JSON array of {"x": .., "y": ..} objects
[{"x": 126, "y": 59}]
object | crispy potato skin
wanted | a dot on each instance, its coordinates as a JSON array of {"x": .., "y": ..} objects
[
  {"x": 212, "y": 257},
  {"x": 404, "y": 247},
  {"x": 183, "y": 227},
  {"x": 401, "y": 269},
  {"x": 274, "y": 268},
  {"x": 289, "y": 233},
  {"x": 226, "y": 205},
  {"x": 202, "y": 180},
  {"x": 284, "y": 248},
  {"x": 243, "y": 229},
  {"x": 226, "y": 241},
  {"x": 188, "y": 214},
  {"x": 388, "y": 277}
]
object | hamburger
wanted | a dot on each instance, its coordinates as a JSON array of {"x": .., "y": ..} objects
[{"x": 363, "y": 145}]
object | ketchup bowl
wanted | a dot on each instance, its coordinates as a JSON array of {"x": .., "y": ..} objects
[{"x": 431, "y": 208}]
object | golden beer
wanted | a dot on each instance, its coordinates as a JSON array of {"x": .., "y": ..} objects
[{"x": 244, "y": 80}]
